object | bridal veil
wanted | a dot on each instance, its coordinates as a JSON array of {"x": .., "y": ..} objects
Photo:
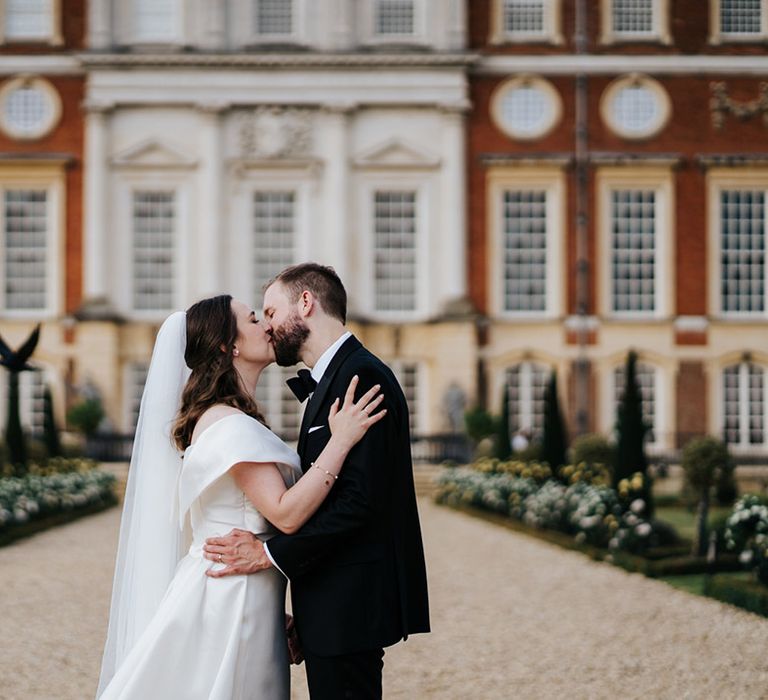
[{"x": 151, "y": 543}]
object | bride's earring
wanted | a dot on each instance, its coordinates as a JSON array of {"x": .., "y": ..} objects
[{"x": 235, "y": 352}]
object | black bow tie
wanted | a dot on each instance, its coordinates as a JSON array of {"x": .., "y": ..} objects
[{"x": 302, "y": 385}]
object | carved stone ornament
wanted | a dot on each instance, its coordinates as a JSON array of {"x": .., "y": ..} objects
[
  {"x": 267, "y": 133},
  {"x": 720, "y": 105}
]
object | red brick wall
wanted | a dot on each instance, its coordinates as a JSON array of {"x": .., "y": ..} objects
[
  {"x": 691, "y": 401},
  {"x": 66, "y": 139},
  {"x": 689, "y": 135}
]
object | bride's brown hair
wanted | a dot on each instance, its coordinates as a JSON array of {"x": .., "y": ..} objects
[{"x": 211, "y": 336}]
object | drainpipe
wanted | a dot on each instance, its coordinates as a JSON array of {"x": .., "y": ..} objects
[{"x": 581, "y": 168}]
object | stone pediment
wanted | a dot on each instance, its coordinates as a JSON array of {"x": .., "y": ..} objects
[
  {"x": 396, "y": 153},
  {"x": 152, "y": 154}
]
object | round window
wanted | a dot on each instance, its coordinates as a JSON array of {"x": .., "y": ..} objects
[
  {"x": 29, "y": 108},
  {"x": 526, "y": 107},
  {"x": 635, "y": 107}
]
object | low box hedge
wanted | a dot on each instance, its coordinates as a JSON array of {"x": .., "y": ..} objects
[
  {"x": 32, "y": 527},
  {"x": 655, "y": 563},
  {"x": 749, "y": 595}
]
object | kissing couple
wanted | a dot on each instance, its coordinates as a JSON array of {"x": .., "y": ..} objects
[{"x": 219, "y": 513}]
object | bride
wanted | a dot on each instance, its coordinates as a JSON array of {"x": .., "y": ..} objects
[{"x": 203, "y": 463}]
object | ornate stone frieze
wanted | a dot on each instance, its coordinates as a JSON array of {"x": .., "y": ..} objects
[
  {"x": 721, "y": 105},
  {"x": 268, "y": 133}
]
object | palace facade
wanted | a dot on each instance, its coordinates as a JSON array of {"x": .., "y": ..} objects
[{"x": 507, "y": 187}]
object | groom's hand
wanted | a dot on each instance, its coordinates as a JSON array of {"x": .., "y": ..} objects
[{"x": 240, "y": 550}]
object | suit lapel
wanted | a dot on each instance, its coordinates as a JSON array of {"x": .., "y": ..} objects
[{"x": 348, "y": 347}]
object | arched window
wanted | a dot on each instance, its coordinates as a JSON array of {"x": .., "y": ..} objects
[
  {"x": 525, "y": 384},
  {"x": 744, "y": 401}
]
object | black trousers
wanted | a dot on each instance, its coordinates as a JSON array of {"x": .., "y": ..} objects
[{"x": 348, "y": 677}]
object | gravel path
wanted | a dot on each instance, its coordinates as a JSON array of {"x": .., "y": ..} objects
[{"x": 512, "y": 618}]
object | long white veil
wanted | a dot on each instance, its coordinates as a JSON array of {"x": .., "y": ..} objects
[{"x": 151, "y": 543}]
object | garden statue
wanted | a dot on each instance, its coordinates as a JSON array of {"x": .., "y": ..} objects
[{"x": 16, "y": 363}]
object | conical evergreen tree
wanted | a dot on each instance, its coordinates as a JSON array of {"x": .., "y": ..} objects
[
  {"x": 554, "y": 439},
  {"x": 50, "y": 434},
  {"x": 14, "y": 435},
  {"x": 503, "y": 446},
  {"x": 631, "y": 429}
]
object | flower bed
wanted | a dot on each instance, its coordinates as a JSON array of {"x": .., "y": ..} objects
[
  {"x": 593, "y": 514},
  {"x": 604, "y": 523},
  {"x": 746, "y": 532},
  {"x": 31, "y": 503}
]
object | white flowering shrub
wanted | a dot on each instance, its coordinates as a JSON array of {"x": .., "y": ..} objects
[
  {"x": 594, "y": 514},
  {"x": 746, "y": 532},
  {"x": 35, "y": 495},
  {"x": 546, "y": 508}
]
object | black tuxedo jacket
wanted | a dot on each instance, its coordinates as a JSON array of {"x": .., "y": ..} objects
[{"x": 356, "y": 567}]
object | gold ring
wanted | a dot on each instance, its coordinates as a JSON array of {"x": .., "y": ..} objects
[{"x": 219, "y": 558}]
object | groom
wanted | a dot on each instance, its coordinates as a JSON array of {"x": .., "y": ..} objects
[{"x": 356, "y": 567}]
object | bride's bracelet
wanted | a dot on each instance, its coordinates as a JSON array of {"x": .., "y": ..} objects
[{"x": 325, "y": 471}]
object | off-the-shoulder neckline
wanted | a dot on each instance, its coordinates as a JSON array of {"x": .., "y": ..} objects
[{"x": 239, "y": 414}]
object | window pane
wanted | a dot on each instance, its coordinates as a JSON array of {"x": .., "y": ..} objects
[
  {"x": 633, "y": 16},
  {"x": 408, "y": 376},
  {"x": 526, "y": 384},
  {"x": 525, "y": 250},
  {"x": 742, "y": 246},
  {"x": 395, "y": 251},
  {"x": 740, "y": 16},
  {"x": 646, "y": 380},
  {"x": 395, "y": 17},
  {"x": 524, "y": 16},
  {"x": 156, "y": 20},
  {"x": 274, "y": 16},
  {"x": 274, "y": 228},
  {"x": 28, "y": 19},
  {"x": 153, "y": 250},
  {"x": 135, "y": 381},
  {"x": 26, "y": 248},
  {"x": 278, "y": 404},
  {"x": 744, "y": 399},
  {"x": 633, "y": 250}
]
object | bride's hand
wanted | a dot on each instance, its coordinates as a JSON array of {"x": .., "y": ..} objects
[{"x": 350, "y": 422}]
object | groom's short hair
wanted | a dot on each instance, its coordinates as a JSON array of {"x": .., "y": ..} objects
[{"x": 321, "y": 280}]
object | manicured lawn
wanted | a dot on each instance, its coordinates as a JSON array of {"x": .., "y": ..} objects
[
  {"x": 684, "y": 521},
  {"x": 695, "y": 582}
]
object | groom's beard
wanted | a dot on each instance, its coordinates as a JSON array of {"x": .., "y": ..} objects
[{"x": 288, "y": 341}]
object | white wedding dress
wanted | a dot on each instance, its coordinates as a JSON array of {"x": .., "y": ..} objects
[{"x": 216, "y": 639}]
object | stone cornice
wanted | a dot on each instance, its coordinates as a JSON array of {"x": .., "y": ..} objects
[
  {"x": 277, "y": 60},
  {"x": 668, "y": 64},
  {"x": 51, "y": 64}
]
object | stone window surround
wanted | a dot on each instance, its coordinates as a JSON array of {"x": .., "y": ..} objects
[
  {"x": 367, "y": 25},
  {"x": 40, "y": 84},
  {"x": 52, "y": 179},
  {"x": 121, "y": 242},
  {"x": 56, "y": 37},
  {"x": 552, "y": 180},
  {"x": 552, "y": 33},
  {"x": 302, "y": 183},
  {"x": 719, "y": 179},
  {"x": 368, "y": 185},
  {"x": 718, "y": 368},
  {"x": 660, "y": 34},
  {"x": 524, "y": 81},
  {"x": 661, "y": 180},
  {"x": 630, "y": 80},
  {"x": 717, "y": 37}
]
